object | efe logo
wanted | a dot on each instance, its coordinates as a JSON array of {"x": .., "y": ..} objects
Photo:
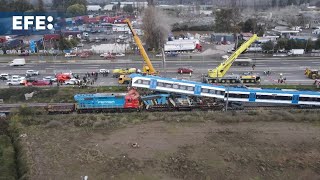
[{"x": 23, "y": 22}]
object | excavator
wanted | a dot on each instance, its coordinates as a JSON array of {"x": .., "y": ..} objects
[
  {"x": 312, "y": 73},
  {"x": 147, "y": 67},
  {"x": 217, "y": 75}
]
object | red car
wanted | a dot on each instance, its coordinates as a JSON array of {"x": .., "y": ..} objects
[
  {"x": 40, "y": 83},
  {"x": 84, "y": 55},
  {"x": 185, "y": 70}
]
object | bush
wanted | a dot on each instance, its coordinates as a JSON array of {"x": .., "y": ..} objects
[
  {"x": 53, "y": 124},
  {"x": 7, "y": 159}
]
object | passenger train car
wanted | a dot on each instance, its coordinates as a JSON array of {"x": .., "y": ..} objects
[{"x": 284, "y": 96}]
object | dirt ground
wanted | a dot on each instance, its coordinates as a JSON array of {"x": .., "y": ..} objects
[{"x": 179, "y": 150}]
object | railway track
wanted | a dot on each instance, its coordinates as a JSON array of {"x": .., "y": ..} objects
[{"x": 65, "y": 108}]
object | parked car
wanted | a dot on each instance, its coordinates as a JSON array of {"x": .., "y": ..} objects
[
  {"x": 13, "y": 82},
  {"x": 120, "y": 55},
  {"x": 84, "y": 55},
  {"x": 103, "y": 71},
  {"x": 50, "y": 78},
  {"x": 4, "y": 76},
  {"x": 80, "y": 45},
  {"x": 109, "y": 56},
  {"x": 185, "y": 70},
  {"x": 72, "y": 81},
  {"x": 68, "y": 55},
  {"x": 32, "y": 73},
  {"x": 40, "y": 83},
  {"x": 17, "y": 77}
]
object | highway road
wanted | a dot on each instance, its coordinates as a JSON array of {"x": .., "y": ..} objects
[{"x": 291, "y": 68}]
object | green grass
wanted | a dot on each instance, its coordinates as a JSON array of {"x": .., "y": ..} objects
[
  {"x": 53, "y": 94},
  {"x": 7, "y": 159}
]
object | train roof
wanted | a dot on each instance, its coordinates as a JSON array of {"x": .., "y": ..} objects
[
  {"x": 82, "y": 96},
  {"x": 276, "y": 91},
  {"x": 176, "y": 80}
]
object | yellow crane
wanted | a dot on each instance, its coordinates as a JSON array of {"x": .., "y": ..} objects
[
  {"x": 148, "y": 67},
  {"x": 218, "y": 74}
]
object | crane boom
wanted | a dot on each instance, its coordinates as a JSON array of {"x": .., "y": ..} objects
[
  {"x": 222, "y": 69},
  {"x": 149, "y": 69}
]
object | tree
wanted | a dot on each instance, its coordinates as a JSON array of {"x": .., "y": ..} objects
[
  {"x": 114, "y": 7},
  {"x": 249, "y": 26},
  {"x": 226, "y": 20},
  {"x": 76, "y": 10},
  {"x": 310, "y": 45},
  {"x": 19, "y": 6},
  {"x": 40, "y": 6},
  {"x": 268, "y": 46},
  {"x": 155, "y": 27},
  {"x": 64, "y": 44},
  {"x": 317, "y": 43},
  {"x": 128, "y": 8},
  {"x": 62, "y": 5},
  {"x": 274, "y": 3},
  {"x": 282, "y": 43}
]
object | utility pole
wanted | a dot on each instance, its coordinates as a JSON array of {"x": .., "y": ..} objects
[{"x": 227, "y": 100}]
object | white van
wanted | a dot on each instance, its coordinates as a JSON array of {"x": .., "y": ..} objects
[{"x": 18, "y": 62}]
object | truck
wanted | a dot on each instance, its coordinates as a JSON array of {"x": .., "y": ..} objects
[
  {"x": 296, "y": 52},
  {"x": 18, "y": 62}
]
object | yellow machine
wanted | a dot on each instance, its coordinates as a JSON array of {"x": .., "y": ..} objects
[
  {"x": 119, "y": 72},
  {"x": 312, "y": 73},
  {"x": 218, "y": 74},
  {"x": 148, "y": 67}
]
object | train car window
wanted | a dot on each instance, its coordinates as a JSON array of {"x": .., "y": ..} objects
[
  {"x": 168, "y": 85},
  {"x": 238, "y": 95},
  {"x": 88, "y": 99},
  {"x": 139, "y": 81},
  {"x": 205, "y": 90},
  {"x": 183, "y": 87},
  {"x": 147, "y": 82},
  {"x": 190, "y": 88},
  {"x": 220, "y": 92},
  {"x": 264, "y": 97},
  {"x": 283, "y": 98},
  {"x": 309, "y": 99},
  {"x": 212, "y": 91},
  {"x": 160, "y": 84},
  {"x": 175, "y": 86}
]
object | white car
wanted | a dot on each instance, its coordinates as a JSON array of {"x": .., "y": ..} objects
[
  {"x": 103, "y": 70},
  {"x": 4, "y": 76},
  {"x": 120, "y": 55},
  {"x": 13, "y": 82},
  {"x": 72, "y": 81},
  {"x": 104, "y": 54},
  {"x": 32, "y": 73},
  {"x": 159, "y": 55},
  {"x": 49, "y": 78},
  {"x": 80, "y": 45},
  {"x": 69, "y": 55},
  {"x": 17, "y": 77}
]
